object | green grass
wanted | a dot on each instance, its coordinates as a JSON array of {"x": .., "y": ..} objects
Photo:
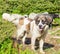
[
  {"x": 58, "y": 41},
  {"x": 57, "y": 33},
  {"x": 57, "y": 21},
  {"x": 6, "y": 29},
  {"x": 0, "y": 16},
  {"x": 6, "y": 48},
  {"x": 56, "y": 25},
  {"x": 52, "y": 51}
]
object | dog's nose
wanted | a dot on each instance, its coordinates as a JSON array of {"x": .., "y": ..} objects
[{"x": 40, "y": 26}]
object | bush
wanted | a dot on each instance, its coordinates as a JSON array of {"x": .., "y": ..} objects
[{"x": 28, "y": 6}]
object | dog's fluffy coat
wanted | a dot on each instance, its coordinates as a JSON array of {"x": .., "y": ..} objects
[
  {"x": 23, "y": 28},
  {"x": 39, "y": 28}
]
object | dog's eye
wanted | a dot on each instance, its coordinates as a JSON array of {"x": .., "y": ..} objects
[{"x": 43, "y": 21}]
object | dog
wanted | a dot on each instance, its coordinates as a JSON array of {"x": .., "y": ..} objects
[
  {"x": 39, "y": 28},
  {"x": 26, "y": 16},
  {"x": 10, "y": 17},
  {"x": 32, "y": 16},
  {"x": 6, "y": 16},
  {"x": 54, "y": 15},
  {"x": 23, "y": 28},
  {"x": 14, "y": 18}
]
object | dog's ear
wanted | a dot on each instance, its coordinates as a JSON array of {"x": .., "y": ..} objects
[
  {"x": 49, "y": 20},
  {"x": 36, "y": 19},
  {"x": 21, "y": 21}
]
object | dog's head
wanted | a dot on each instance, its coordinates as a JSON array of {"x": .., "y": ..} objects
[{"x": 42, "y": 21}]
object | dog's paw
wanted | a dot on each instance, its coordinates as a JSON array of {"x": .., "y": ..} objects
[
  {"x": 33, "y": 49},
  {"x": 42, "y": 52}
]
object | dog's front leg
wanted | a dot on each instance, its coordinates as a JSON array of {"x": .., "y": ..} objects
[
  {"x": 23, "y": 39},
  {"x": 41, "y": 43},
  {"x": 33, "y": 43}
]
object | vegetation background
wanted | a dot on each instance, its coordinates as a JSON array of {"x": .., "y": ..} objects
[
  {"x": 23, "y": 7},
  {"x": 28, "y": 6}
]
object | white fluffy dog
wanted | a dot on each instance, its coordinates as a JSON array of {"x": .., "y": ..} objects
[
  {"x": 39, "y": 28},
  {"x": 10, "y": 17},
  {"x": 14, "y": 18},
  {"x": 23, "y": 28},
  {"x": 17, "y": 17}
]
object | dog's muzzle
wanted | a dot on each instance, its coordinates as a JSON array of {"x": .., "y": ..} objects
[{"x": 41, "y": 28}]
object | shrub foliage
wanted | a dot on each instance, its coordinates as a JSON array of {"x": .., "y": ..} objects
[{"x": 28, "y": 6}]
